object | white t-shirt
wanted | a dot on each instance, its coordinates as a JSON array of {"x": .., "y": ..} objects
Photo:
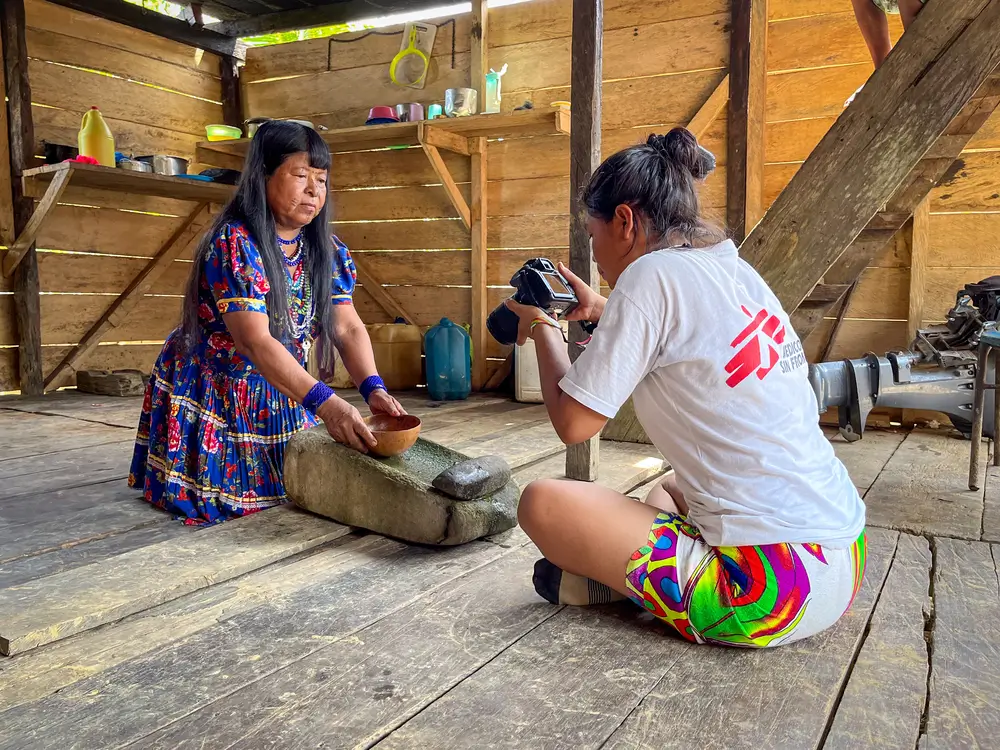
[{"x": 719, "y": 382}]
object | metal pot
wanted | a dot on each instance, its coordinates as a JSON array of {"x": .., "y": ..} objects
[
  {"x": 134, "y": 165},
  {"x": 253, "y": 123},
  {"x": 163, "y": 164}
]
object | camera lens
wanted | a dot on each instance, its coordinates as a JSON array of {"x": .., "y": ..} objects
[{"x": 502, "y": 325}]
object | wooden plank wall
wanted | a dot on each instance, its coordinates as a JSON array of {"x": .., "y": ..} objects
[
  {"x": 156, "y": 96},
  {"x": 389, "y": 206},
  {"x": 816, "y": 59}
]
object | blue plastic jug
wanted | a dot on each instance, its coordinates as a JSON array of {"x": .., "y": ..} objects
[{"x": 449, "y": 362}]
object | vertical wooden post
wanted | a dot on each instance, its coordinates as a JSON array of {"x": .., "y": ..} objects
[
  {"x": 747, "y": 100},
  {"x": 584, "y": 157},
  {"x": 7, "y": 233},
  {"x": 232, "y": 94},
  {"x": 480, "y": 301},
  {"x": 919, "y": 245},
  {"x": 480, "y": 52},
  {"x": 21, "y": 136}
]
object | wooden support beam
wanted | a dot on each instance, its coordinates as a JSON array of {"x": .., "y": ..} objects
[
  {"x": 448, "y": 182},
  {"x": 500, "y": 373},
  {"x": 582, "y": 459},
  {"x": 706, "y": 115},
  {"x": 838, "y": 322},
  {"x": 385, "y": 300},
  {"x": 232, "y": 92},
  {"x": 318, "y": 15},
  {"x": 480, "y": 298},
  {"x": 441, "y": 138},
  {"x": 21, "y": 142},
  {"x": 932, "y": 74},
  {"x": 7, "y": 231},
  {"x": 156, "y": 23},
  {"x": 920, "y": 240},
  {"x": 479, "y": 52},
  {"x": 186, "y": 235},
  {"x": 25, "y": 241},
  {"x": 747, "y": 97}
]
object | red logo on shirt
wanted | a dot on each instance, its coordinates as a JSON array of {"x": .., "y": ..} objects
[{"x": 752, "y": 345}]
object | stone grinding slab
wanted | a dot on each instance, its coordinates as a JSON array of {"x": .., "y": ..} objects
[{"x": 391, "y": 496}]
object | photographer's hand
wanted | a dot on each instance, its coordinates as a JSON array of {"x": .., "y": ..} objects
[
  {"x": 527, "y": 318},
  {"x": 591, "y": 303}
]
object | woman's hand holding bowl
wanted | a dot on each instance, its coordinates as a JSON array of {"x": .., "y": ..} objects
[
  {"x": 380, "y": 402},
  {"x": 345, "y": 424}
]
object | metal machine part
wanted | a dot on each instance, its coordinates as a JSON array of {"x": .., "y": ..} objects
[{"x": 937, "y": 374}]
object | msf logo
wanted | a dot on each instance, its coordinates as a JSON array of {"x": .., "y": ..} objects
[{"x": 755, "y": 342}]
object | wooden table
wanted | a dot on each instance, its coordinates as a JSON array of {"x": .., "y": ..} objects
[{"x": 47, "y": 185}]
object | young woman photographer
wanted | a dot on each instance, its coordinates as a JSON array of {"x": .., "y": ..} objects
[{"x": 758, "y": 537}]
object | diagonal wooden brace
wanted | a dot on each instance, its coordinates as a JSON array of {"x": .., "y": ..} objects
[
  {"x": 448, "y": 182},
  {"x": 27, "y": 237},
  {"x": 186, "y": 234},
  {"x": 384, "y": 298}
]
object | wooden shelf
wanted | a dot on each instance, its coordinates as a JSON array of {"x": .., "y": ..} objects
[
  {"x": 36, "y": 182},
  {"x": 230, "y": 154}
]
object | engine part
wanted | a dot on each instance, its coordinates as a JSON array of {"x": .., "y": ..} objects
[{"x": 938, "y": 374}]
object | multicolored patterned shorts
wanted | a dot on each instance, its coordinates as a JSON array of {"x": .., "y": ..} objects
[{"x": 742, "y": 596}]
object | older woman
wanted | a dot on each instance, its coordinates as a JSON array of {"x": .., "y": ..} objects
[{"x": 230, "y": 386}]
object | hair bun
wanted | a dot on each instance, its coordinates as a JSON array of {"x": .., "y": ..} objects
[{"x": 680, "y": 147}]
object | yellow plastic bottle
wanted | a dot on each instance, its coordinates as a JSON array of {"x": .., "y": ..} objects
[{"x": 95, "y": 139}]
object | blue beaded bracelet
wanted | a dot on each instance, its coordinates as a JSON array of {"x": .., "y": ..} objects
[
  {"x": 370, "y": 384},
  {"x": 318, "y": 394}
]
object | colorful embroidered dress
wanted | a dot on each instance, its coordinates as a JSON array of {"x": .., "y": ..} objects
[{"x": 211, "y": 438}]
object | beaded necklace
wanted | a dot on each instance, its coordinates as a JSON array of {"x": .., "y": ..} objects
[{"x": 300, "y": 300}]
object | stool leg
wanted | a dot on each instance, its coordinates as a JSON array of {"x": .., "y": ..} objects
[{"x": 978, "y": 404}]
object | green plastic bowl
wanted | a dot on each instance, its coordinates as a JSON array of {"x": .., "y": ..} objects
[{"x": 223, "y": 133}]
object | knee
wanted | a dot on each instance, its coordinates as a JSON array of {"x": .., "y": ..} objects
[{"x": 536, "y": 504}]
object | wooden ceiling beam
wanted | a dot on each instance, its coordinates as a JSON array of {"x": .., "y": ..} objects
[
  {"x": 159, "y": 24},
  {"x": 345, "y": 11}
]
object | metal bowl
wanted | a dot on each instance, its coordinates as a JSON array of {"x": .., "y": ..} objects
[
  {"x": 163, "y": 164},
  {"x": 134, "y": 165}
]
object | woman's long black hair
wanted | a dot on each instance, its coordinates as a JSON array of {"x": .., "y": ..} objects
[
  {"x": 274, "y": 142},
  {"x": 658, "y": 179}
]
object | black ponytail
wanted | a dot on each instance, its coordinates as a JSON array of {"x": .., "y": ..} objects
[{"x": 657, "y": 180}]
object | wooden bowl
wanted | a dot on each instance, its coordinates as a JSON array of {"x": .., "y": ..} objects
[{"x": 395, "y": 435}]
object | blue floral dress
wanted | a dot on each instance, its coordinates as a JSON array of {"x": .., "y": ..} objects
[{"x": 212, "y": 434}]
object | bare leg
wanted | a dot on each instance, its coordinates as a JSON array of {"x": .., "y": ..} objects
[
  {"x": 667, "y": 496},
  {"x": 585, "y": 529},
  {"x": 874, "y": 28},
  {"x": 908, "y": 10}
]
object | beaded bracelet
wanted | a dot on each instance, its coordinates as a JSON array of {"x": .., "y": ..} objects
[
  {"x": 317, "y": 395},
  {"x": 369, "y": 385}
]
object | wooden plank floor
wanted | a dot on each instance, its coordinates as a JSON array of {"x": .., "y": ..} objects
[{"x": 344, "y": 639}]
